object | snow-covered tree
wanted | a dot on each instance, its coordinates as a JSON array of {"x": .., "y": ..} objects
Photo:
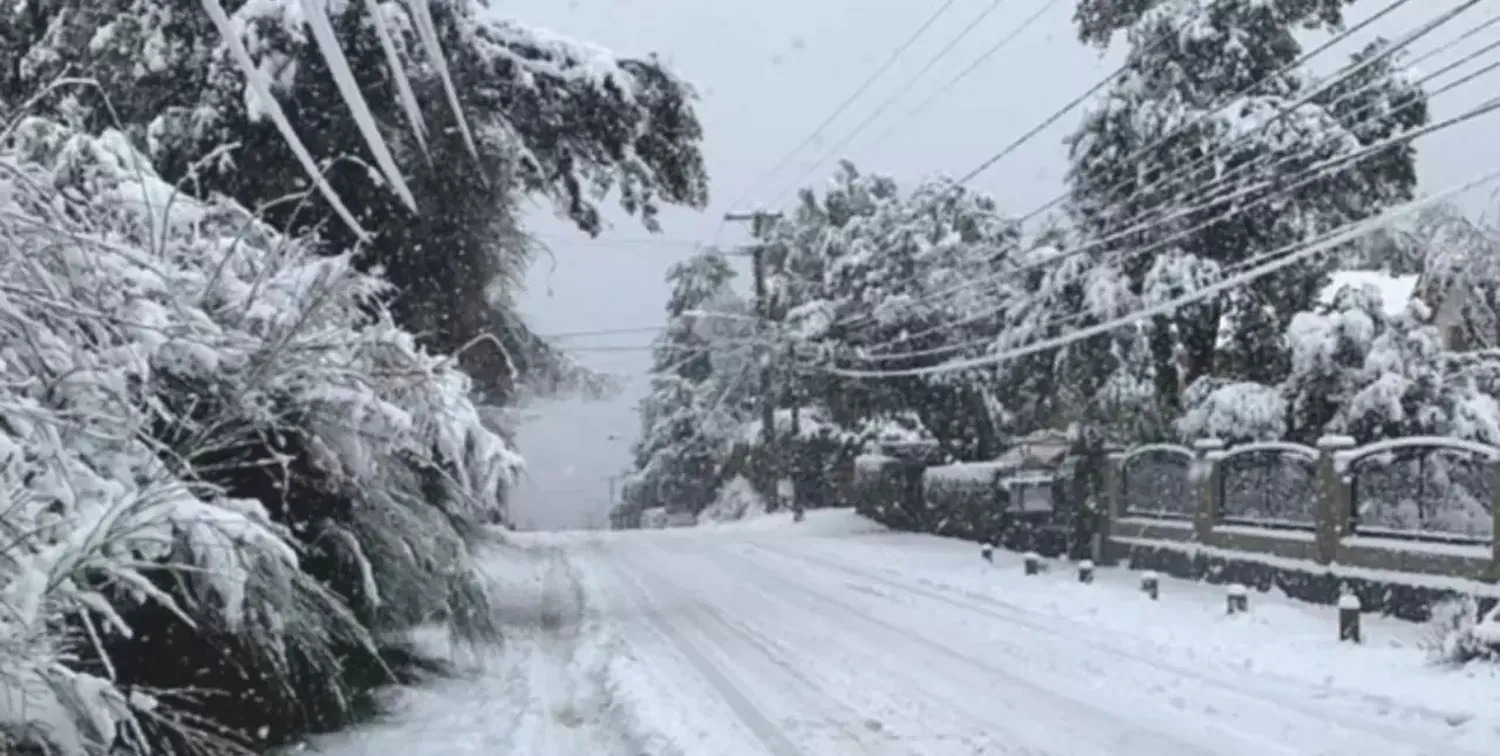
[
  {"x": 528, "y": 112},
  {"x": 891, "y": 279},
  {"x": 1326, "y": 351},
  {"x": 701, "y": 389},
  {"x": 1221, "y": 179},
  {"x": 1460, "y": 276},
  {"x": 223, "y": 466}
]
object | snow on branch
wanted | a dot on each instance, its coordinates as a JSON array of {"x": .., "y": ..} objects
[{"x": 147, "y": 341}]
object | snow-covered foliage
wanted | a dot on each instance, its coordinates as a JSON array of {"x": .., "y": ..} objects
[
  {"x": 702, "y": 379},
  {"x": 1232, "y": 411},
  {"x": 428, "y": 121},
  {"x": 1173, "y": 187},
  {"x": 1458, "y": 634},
  {"x": 737, "y": 500},
  {"x": 885, "y": 278},
  {"x": 198, "y": 412}
]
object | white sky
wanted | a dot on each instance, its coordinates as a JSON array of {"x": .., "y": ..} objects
[{"x": 768, "y": 73}]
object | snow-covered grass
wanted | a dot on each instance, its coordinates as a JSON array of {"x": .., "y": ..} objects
[{"x": 227, "y": 478}]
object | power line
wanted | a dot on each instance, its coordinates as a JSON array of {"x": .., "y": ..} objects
[
  {"x": 1309, "y": 175},
  {"x": 1214, "y": 188},
  {"x": 603, "y": 332},
  {"x": 647, "y": 241},
  {"x": 1192, "y": 122},
  {"x": 964, "y": 74},
  {"x": 886, "y": 104},
  {"x": 839, "y": 110},
  {"x": 1220, "y": 106},
  {"x": 1288, "y": 255}
]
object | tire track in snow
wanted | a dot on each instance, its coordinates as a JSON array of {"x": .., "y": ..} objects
[
  {"x": 566, "y": 706},
  {"x": 1023, "y": 699},
  {"x": 1245, "y": 688},
  {"x": 984, "y": 726},
  {"x": 722, "y": 680},
  {"x": 856, "y": 728}
]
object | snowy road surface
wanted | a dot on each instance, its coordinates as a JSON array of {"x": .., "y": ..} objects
[{"x": 829, "y": 638}]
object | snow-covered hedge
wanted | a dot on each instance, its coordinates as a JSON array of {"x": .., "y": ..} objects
[
  {"x": 226, "y": 476},
  {"x": 963, "y": 499}
]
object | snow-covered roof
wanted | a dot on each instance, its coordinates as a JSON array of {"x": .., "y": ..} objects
[{"x": 1395, "y": 291}]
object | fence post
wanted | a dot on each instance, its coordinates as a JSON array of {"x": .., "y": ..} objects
[
  {"x": 1106, "y": 519},
  {"x": 1206, "y": 471},
  {"x": 1331, "y": 515}
]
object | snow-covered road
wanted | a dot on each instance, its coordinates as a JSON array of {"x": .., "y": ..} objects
[{"x": 823, "y": 640}]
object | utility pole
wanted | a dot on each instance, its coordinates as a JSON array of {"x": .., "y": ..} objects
[
  {"x": 760, "y": 224},
  {"x": 794, "y": 399}
]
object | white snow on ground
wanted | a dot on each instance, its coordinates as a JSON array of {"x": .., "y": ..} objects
[{"x": 833, "y": 637}]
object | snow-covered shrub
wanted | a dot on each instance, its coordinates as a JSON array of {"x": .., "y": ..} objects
[
  {"x": 1456, "y": 634},
  {"x": 1232, "y": 411},
  {"x": 226, "y": 477},
  {"x": 654, "y": 518},
  {"x": 963, "y": 499},
  {"x": 737, "y": 500}
]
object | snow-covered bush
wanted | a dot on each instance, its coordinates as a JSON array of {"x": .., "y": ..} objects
[
  {"x": 737, "y": 500},
  {"x": 226, "y": 477},
  {"x": 1456, "y": 634},
  {"x": 963, "y": 499},
  {"x": 1232, "y": 411},
  {"x": 654, "y": 518}
]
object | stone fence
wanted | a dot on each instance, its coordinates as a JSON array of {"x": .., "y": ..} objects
[{"x": 1384, "y": 506}]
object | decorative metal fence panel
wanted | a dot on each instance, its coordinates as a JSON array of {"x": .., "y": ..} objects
[
  {"x": 1268, "y": 488},
  {"x": 1157, "y": 482},
  {"x": 1424, "y": 494}
]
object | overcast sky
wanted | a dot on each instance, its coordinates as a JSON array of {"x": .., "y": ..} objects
[{"x": 768, "y": 73}]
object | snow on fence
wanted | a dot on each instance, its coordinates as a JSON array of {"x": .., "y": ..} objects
[
  {"x": 1270, "y": 484},
  {"x": 1155, "y": 481},
  {"x": 1422, "y": 488},
  {"x": 1421, "y": 505}
]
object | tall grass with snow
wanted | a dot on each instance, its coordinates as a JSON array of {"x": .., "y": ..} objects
[{"x": 157, "y": 351}]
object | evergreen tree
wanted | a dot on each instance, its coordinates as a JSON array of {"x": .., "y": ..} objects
[
  {"x": 700, "y": 392},
  {"x": 1221, "y": 188},
  {"x": 547, "y": 117},
  {"x": 903, "y": 280}
]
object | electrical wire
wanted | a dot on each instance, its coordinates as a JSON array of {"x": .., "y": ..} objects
[
  {"x": 886, "y": 103},
  {"x": 1265, "y": 264},
  {"x": 964, "y": 74},
  {"x": 1139, "y": 222},
  {"x": 1221, "y": 197},
  {"x": 843, "y": 106}
]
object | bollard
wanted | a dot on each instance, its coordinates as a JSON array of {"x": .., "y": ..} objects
[
  {"x": 1033, "y": 563},
  {"x": 1238, "y": 599},
  {"x": 1086, "y": 571},
  {"x": 1349, "y": 608},
  {"x": 1151, "y": 585},
  {"x": 987, "y": 552}
]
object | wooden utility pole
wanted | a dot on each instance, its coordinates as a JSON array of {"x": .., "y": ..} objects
[{"x": 760, "y": 224}]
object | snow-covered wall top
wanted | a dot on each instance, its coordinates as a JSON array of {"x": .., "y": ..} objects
[{"x": 964, "y": 473}]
